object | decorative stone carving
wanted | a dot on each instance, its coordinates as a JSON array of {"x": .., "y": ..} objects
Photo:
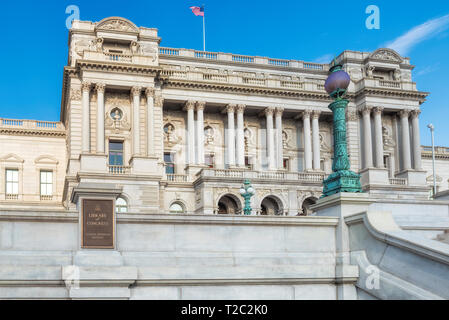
[
  {"x": 209, "y": 135},
  {"x": 75, "y": 94},
  {"x": 189, "y": 105},
  {"x": 351, "y": 114},
  {"x": 369, "y": 71},
  {"x": 279, "y": 111},
  {"x": 170, "y": 136},
  {"x": 386, "y": 55},
  {"x": 200, "y": 105},
  {"x": 269, "y": 111},
  {"x": 240, "y": 108},
  {"x": 149, "y": 92},
  {"x": 85, "y": 86},
  {"x": 117, "y": 121},
  {"x": 158, "y": 101},
  {"x": 100, "y": 87},
  {"x": 323, "y": 145},
  {"x": 135, "y": 91},
  {"x": 134, "y": 47},
  {"x": 117, "y": 24},
  {"x": 415, "y": 113},
  {"x": 285, "y": 139},
  {"x": 397, "y": 75},
  {"x": 387, "y": 139}
]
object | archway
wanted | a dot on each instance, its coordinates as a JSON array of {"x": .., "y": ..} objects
[
  {"x": 306, "y": 204},
  {"x": 271, "y": 206},
  {"x": 229, "y": 204}
]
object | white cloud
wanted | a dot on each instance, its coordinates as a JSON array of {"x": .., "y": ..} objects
[
  {"x": 417, "y": 34},
  {"x": 324, "y": 59},
  {"x": 428, "y": 69}
]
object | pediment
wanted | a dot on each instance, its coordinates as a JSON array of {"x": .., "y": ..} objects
[
  {"x": 46, "y": 159},
  {"x": 386, "y": 54},
  {"x": 117, "y": 24},
  {"x": 12, "y": 158}
]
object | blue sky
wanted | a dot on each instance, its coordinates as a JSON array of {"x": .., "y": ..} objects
[{"x": 34, "y": 36}]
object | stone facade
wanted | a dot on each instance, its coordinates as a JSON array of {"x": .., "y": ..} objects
[{"x": 193, "y": 125}]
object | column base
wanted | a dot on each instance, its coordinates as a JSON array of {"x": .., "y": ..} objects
[
  {"x": 414, "y": 177},
  {"x": 93, "y": 163},
  {"x": 145, "y": 165},
  {"x": 374, "y": 176}
]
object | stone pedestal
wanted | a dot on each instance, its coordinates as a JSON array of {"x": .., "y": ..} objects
[
  {"x": 341, "y": 205},
  {"x": 374, "y": 176},
  {"x": 414, "y": 177},
  {"x": 94, "y": 163},
  {"x": 192, "y": 169},
  {"x": 144, "y": 165}
]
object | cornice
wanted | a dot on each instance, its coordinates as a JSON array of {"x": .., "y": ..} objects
[
  {"x": 415, "y": 95},
  {"x": 245, "y": 89},
  {"x": 123, "y": 68},
  {"x": 31, "y": 132}
]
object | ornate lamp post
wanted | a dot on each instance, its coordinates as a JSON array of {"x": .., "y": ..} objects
[
  {"x": 342, "y": 178},
  {"x": 247, "y": 191}
]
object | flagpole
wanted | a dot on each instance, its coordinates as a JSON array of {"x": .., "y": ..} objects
[{"x": 204, "y": 32}]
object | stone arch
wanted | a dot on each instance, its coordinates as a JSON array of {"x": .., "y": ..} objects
[
  {"x": 305, "y": 206},
  {"x": 272, "y": 205},
  {"x": 180, "y": 203},
  {"x": 229, "y": 204},
  {"x": 117, "y": 24},
  {"x": 46, "y": 159}
]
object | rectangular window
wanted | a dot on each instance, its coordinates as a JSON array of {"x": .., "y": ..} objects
[
  {"x": 210, "y": 160},
  {"x": 286, "y": 164},
  {"x": 46, "y": 183},
  {"x": 116, "y": 153},
  {"x": 169, "y": 163},
  {"x": 12, "y": 181},
  {"x": 248, "y": 163}
]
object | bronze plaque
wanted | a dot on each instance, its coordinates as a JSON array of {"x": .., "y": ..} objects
[{"x": 98, "y": 224}]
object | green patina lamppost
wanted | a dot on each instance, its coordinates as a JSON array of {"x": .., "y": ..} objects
[
  {"x": 342, "y": 178},
  {"x": 247, "y": 191}
]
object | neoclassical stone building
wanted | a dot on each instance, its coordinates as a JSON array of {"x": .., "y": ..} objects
[{"x": 179, "y": 130}]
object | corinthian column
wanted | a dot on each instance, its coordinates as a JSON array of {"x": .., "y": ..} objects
[
  {"x": 367, "y": 140},
  {"x": 406, "y": 156},
  {"x": 316, "y": 140},
  {"x": 136, "y": 119},
  {"x": 149, "y": 92},
  {"x": 379, "y": 156},
  {"x": 200, "y": 105},
  {"x": 280, "y": 145},
  {"x": 307, "y": 140},
  {"x": 270, "y": 138},
  {"x": 85, "y": 122},
  {"x": 240, "y": 151},
  {"x": 190, "y": 107},
  {"x": 100, "y": 87},
  {"x": 416, "y": 140},
  {"x": 230, "y": 109}
]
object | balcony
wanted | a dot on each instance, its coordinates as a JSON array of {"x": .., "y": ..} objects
[
  {"x": 398, "y": 181},
  {"x": 242, "y": 59},
  {"x": 119, "y": 170},
  {"x": 303, "y": 177},
  {"x": 181, "y": 178},
  {"x": 31, "y": 124},
  {"x": 119, "y": 58},
  {"x": 440, "y": 152},
  {"x": 381, "y": 83}
]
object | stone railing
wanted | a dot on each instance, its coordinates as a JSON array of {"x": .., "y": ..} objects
[
  {"x": 242, "y": 80},
  {"x": 177, "y": 178},
  {"x": 120, "y": 58},
  {"x": 398, "y": 181},
  {"x": 119, "y": 170},
  {"x": 310, "y": 177},
  {"x": 381, "y": 83},
  {"x": 31, "y": 124},
  {"x": 440, "y": 152},
  {"x": 12, "y": 197},
  {"x": 220, "y": 56}
]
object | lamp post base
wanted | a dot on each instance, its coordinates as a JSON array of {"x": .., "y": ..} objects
[{"x": 342, "y": 181}]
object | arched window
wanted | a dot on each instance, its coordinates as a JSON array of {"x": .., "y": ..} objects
[
  {"x": 177, "y": 208},
  {"x": 121, "y": 206}
]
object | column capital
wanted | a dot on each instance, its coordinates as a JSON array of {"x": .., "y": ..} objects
[
  {"x": 100, "y": 87},
  {"x": 85, "y": 86},
  {"x": 240, "y": 108},
  {"x": 365, "y": 110},
  {"x": 230, "y": 108},
  {"x": 149, "y": 91},
  {"x": 189, "y": 105},
  {"x": 136, "y": 90},
  {"x": 415, "y": 113},
  {"x": 279, "y": 111},
  {"x": 268, "y": 111},
  {"x": 306, "y": 113},
  {"x": 158, "y": 101},
  {"x": 316, "y": 114},
  {"x": 378, "y": 110},
  {"x": 200, "y": 105},
  {"x": 404, "y": 113}
]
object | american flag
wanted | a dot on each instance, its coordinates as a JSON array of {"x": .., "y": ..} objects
[{"x": 198, "y": 11}]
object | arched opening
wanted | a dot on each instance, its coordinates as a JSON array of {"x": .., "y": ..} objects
[
  {"x": 229, "y": 204},
  {"x": 306, "y": 204},
  {"x": 271, "y": 206},
  {"x": 121, "y": 206},
  {"x": 177, "y": 208}
]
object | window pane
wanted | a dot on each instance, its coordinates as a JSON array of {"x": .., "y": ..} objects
[
  {"x": 15, "y": 188},
  {"x": 116, "y": 146}
]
